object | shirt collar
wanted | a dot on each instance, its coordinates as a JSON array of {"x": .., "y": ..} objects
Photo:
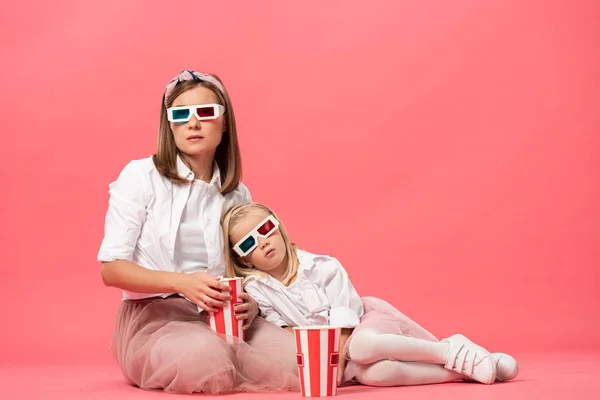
[
  {"x": 305, "y": 258},
  {"x": 187, "y": 173}
]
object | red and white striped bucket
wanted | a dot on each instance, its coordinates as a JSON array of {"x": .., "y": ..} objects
[
  {"x": 223, "y": 321},
  {"x": 317, "y": 351}
]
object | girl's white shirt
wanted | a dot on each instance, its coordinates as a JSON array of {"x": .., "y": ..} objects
[{"x": 322, "y": 294}]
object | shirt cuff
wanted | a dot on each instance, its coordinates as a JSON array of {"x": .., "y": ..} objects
[
  {"x": 344, "y": 317},
  {"x": 274, "y": 319}
]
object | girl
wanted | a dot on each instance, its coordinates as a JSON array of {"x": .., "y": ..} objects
[
  {"x": 163, "y": 248},
  {"x": 383, "y": 346}
]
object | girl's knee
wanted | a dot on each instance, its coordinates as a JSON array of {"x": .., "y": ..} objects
[{"x": 362, "y": 345}]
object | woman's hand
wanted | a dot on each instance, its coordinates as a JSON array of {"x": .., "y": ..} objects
[
  {"x": 204, "y": 290},
  {"x": 248, "y": 310}
]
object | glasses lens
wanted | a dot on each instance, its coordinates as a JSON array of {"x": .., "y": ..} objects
[
  {"x": 247, "y": 244},
  {"x": 181, "y": 115},
  {"x": 266, "y": 228},
  {"x": 206, "y": 112}
]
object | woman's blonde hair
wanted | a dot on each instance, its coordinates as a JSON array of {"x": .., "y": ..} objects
[
  {"x": 227, "y": 155},
  {"x": 233, "y": 262}
]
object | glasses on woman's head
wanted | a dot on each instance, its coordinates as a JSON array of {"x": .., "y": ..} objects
[
  {"x": 250, "y": 242},
  {"x": 202, "y": 112}
]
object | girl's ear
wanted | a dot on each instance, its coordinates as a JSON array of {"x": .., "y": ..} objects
[{"x": 246, "y": 262}]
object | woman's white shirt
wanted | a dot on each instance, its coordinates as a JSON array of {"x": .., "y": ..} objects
[
  {"x": 191, "y": 251},
  {"x": 151, "y": 221}
]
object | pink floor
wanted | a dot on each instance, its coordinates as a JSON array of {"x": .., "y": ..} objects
[{"x": 543, "y": 376}]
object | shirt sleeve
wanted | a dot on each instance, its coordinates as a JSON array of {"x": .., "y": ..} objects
[
  {"x": 126, "y": 213},
  {"x": 266, "y": 310},
  {"x": 346, "y": 305},
  {"x": 239, "y": 196},
  {"x": 245, "y": 194}
]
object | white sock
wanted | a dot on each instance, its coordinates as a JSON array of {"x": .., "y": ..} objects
[
  {"x": 399, "y": 373},
  {"x": 369, "y": 346}
]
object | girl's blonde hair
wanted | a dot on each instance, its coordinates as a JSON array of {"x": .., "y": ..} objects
[
  {"x": 227, "y": 155},
  {"x": 233, "y": 262}
]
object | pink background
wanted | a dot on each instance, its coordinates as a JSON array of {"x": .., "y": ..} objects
[{"x": 448, "y": 153}]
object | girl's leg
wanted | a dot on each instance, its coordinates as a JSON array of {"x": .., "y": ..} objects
[
  {"x": 368, "y": 346},
  {"x": 399, "y": 373},
  {"x": 456, "y": 353}
]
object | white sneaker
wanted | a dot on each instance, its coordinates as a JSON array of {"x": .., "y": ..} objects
[
  {"x": 470, "y": 360},
  {"x": 506, "y": 367}
]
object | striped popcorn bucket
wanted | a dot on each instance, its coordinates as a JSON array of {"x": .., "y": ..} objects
[
  {"x": 317, "y": 352},
  {"x": 223, "y": 322}
]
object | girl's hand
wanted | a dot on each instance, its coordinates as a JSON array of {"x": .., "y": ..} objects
[
  {"x": 204, "y": 290},
  {"x": 248, "y": 310},
  {"x": 344, "y": 336}
]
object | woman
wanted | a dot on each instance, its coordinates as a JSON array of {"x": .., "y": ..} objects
[{"x": 163, "y": 248}]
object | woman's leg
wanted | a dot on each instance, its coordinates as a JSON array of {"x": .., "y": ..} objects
[
  {"x": 272, "y": 364},
  {"x": 182, "y": 357},
  {"x": 166, "y": 344}
]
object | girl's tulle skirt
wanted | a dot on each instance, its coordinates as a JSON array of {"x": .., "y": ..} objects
[{"x": 381, "y": 316}]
